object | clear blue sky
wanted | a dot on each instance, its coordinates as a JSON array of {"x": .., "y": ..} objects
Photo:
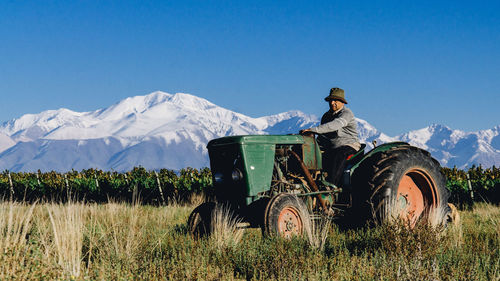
[{"x": 404, "y": 64}]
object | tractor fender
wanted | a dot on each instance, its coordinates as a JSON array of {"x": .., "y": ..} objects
[{"x": 380, "y": 148}]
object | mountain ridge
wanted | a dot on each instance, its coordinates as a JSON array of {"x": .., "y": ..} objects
[{"x": 162, "y": 130}]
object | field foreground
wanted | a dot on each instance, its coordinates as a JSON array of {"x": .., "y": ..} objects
[{"x": 120, "y": 242}]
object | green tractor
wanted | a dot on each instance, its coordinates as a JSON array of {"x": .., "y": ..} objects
[{"x": 276, "y": 183}]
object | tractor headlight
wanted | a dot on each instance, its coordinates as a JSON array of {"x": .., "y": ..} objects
[
  {"x": 236, "y": 175},
  {"x": 218, "y": 177}
]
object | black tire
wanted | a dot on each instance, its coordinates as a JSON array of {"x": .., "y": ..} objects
[
  {"x": 256, "y": 211},
  {"x": 286, "y": 216},
  {"x": 404, "y": 182},
  {"x": 200, "y": 220}
]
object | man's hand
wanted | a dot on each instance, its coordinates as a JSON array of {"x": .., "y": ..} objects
[{"x": 306, "y": 132}]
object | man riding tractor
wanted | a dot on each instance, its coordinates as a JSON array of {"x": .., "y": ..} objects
[
  {"x": 280, "y": 183},
  {"x": 339, "y": 135}
]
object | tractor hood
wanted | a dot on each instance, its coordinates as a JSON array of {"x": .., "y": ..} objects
[{"x": 258, "y": 139}]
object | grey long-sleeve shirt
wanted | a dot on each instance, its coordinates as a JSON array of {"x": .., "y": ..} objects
[{"x": 339, "y": 128}]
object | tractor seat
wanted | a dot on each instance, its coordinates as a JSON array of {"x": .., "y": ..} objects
[{"x": 354, "y": 157}]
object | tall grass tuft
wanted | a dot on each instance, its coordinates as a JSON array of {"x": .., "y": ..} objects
[
  {"x": 15, "y": 226},
  {"x": 436, "y": 217},
  {"x": 196, "y": 199},
  {"x": 120, "y": 231},
  {"x": 491, "y": 215},
  {"x": 65, "y": 239},
  {"x": 316, "y": 232},
  {"x": 415, "y": 244},
  {"x": 224, "y": 228},
  {"x": 15, "y": 223}
]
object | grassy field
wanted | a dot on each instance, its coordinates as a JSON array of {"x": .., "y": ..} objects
[{"x": 123, "y": 242}]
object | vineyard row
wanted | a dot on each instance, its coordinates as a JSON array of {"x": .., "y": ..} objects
[{"x": 158, "y": 187}]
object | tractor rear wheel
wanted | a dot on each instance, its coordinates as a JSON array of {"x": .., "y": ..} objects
[
  {"x": 200, "y": 220},
  {"x": 286, "y": 216},
  {"x": 404, "y": 182}
]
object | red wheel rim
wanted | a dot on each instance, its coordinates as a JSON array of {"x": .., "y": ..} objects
[
  {"x": 416, "y": 195},
  {"x": 289, "y": 222}
]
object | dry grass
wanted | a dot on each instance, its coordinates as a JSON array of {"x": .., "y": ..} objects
[
  {"x": 65, "y": 239},
  {"x": 437, "y": 217},
  {"x": 15, "y": 224},
  {"x": 196, "y": 199},
  {"x": 130, "y": 242},
  {"x": 317, "y": 231},
  {"x": 115, "y": 233},
  {"x": 419, "y": 240},
  {"x": 490, "y": 214},
  {"x": 225, "y": 231}
]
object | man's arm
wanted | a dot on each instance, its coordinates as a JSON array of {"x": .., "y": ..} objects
[{"x": 341, "y": 121}]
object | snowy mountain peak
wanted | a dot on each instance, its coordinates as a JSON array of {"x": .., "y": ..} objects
[
  {"x": 162, "y": 130},
  {"x": 273, "y": 120},
  {"x": 192, "y": 102},
  {"x": 428, "y": 135},
  {"x": 140, "y": 130},
  {"x": 133, "y": 105},
  {"x": 33, "y": 126},
  {"x": 437, "y": 127}
]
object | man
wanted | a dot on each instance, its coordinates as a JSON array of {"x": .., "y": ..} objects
[{"x": 338, "y": 135}]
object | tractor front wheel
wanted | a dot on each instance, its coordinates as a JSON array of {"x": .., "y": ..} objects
[
  {"x": 200, "y": 220},
  {"x": 286, "y": 216}
]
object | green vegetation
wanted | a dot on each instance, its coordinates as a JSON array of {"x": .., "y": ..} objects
[
  {"x": 485, "y": 184},
  {"x": 100, "y": 186},
  {"x": 150, "y": 187},
  {"x": 129, "y": 242}
]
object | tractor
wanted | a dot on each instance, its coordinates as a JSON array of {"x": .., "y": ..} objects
[{"x": 277, "y": 183}]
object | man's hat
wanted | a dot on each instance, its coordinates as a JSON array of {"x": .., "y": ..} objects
[{"x": 336, "y": 94}]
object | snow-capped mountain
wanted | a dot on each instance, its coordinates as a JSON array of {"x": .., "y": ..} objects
[
  {"x": 5, "y": 142},
  {"x": 162, "y": 130},
  {"x": 159, "y": 130},
  {"x": 458, "y": 148}
]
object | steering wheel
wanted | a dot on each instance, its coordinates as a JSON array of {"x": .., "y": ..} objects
[{"x": 318, "y": 135}]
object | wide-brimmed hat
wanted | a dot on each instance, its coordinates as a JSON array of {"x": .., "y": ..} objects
[{"x": 336, "y": 94}]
